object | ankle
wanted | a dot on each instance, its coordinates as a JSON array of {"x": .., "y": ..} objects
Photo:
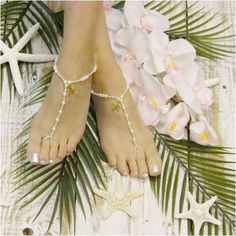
[{"x": 74, "y": 65}]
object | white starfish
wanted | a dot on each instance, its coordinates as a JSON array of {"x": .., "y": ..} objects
[
  {"x": 119, "y": 199},
  {"x": 13, "y": 55},
  {"x": 199, "y": 213}
]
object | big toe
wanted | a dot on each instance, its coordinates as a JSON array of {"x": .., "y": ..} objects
[
  {"x": 33, "y": 149},
  {"x": 154, "y": 162}
]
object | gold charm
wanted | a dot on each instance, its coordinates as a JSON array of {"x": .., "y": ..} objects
[
  {"x": 71, "y": 89},
  {"x": 116, "y": 105}
]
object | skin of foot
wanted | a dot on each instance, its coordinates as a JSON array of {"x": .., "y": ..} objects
[
  {"x": 70, "y": 127},
  {"x": 76, "y": 58},
  {"x": 115, "y": 137}
]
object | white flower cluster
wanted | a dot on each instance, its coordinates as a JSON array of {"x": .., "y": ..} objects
[{"x": 165, "y": 80}]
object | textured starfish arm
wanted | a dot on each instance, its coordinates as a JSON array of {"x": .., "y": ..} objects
[
  {"x": 209, "y": 203},
  {"x": 26, "y": 38},
  {"x": 3, "y": 47},
  {"x": 129, "y": 211},
  {"x": 16, "y": 76},
  {"x": 134, "y": 195},
  {"x": 35, "y": 57},
  {"x": 192, "y": 201},
  {"x": 102, "y": 194},
  {"x": 197, "y": 227},
  {"x": 3, "y": 59},
  {"x": 213, "y": 220},
  {"x": 187, "y": 214},
  {"x": 109, "y": 211}
]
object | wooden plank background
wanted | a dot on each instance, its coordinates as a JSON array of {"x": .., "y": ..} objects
[{"x": 149, "y": 219}]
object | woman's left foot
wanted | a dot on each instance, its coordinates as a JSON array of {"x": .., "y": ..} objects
[{"x": 116, "y": 137}]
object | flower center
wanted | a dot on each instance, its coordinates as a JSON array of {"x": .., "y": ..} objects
[
  {"x": 173, "y": 126},
  {"x": 170, "y": 64},
  {"x": 129, "y": 56},
  {"x": 203, "y": 135},
  {"x": 153, "y": 102}
]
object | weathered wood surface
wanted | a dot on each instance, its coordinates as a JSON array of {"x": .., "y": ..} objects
[{"x": 149, "y": 219}]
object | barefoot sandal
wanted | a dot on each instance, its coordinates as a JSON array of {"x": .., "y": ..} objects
[
  {"x": 68, "y": 89},
  {"x": 118, "y": 104}
]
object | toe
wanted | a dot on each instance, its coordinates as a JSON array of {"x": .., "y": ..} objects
[
  {"x": 33, "y": 149},
  {"x": 154, "y": 162},
  {"x": 142, "y": 166},
  {"x": 54, "y": 152},
  {"x": 62, "y": 150},
  {"x": 122, "y": 166},
  {"x": 71, "y": 145},
  {"x": 133, "y": 167},
  {"x": 44, "y": 153},
  {"x": 111, "y": 159}
]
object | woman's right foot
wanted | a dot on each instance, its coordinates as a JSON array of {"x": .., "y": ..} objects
[{"x": 72, "y": 122}]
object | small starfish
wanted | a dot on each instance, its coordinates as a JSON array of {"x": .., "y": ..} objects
[
  {"x": 13, "y": 55},
  {"x": 199, "y": 213},
  {"x": 118, "y": 200}
]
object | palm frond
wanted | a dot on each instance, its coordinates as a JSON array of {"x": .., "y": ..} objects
[
  {"x": 15, "y": 15},
  {"x": 78, "y": 171},
  {"x": 205, "y": 173},
  {"x": 202, "y": 28}
]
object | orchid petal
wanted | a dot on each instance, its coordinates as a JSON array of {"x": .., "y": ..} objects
[{"x": 133, "y": 11}]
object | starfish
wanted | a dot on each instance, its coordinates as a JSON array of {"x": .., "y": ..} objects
[
  {"x": 118, "y": 200},
  {"x": 13, "y": 55},
  {"x": 199, "y": 213}
]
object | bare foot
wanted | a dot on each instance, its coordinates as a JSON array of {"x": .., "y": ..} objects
[
  {"x": 50, "y": 140},
  {"x": 70, "y": 126},
  {"x": 116, "y": 135}
]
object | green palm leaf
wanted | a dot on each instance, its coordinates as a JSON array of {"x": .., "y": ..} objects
[
  {"x": 80, "y": 170},
  {"x": 15, "y": 15},
  {"x": 193, "y": 23},
  {"x": 205, "y": 171}
]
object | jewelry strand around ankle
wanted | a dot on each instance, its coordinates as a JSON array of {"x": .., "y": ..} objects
[
  {"x": 120, "y": 100},
  {"x": 68, "y": 88}
]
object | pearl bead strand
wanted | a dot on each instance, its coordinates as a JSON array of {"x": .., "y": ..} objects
[
  {"x": 66, "y": 84},
  {"x": 126, "y": 114}
]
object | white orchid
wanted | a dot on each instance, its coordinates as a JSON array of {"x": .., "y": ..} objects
[
  {"x": 176, "y": 120},
  {"x": 113, "y": 16},
  {"x": 190, "y": 87},
  {"x": 134, "y": 52},
  {"x": 170, "y": 56},
  {"x": 145, "y": 53},
  {"x": 201, "y": 132},
  {"x": 152, "y": 99},
  {"x": 146, "y": 20}
]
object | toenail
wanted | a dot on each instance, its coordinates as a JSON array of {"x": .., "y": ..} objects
[
  {"x": 135, "y": 173},
  {"x": 125, "y": 173},
  {"x": 155, "y": 168},
  {"x": 145, "y": 175},
  {"x": 34, "y": 158},
  {"x": 51, "y": 161}
]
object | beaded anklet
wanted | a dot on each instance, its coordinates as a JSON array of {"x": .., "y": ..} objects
[
  {"x": 118, "y": 104},
  {"x": 68, "y": 89}
]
